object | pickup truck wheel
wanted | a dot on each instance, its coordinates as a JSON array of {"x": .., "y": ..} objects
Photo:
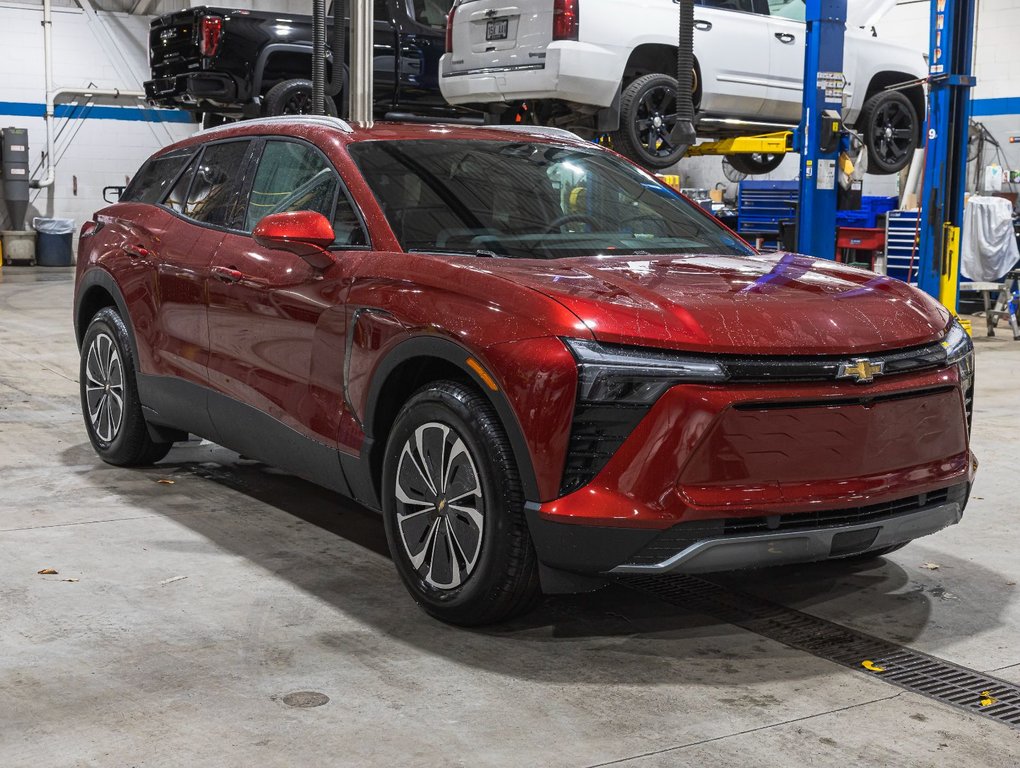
[
  {"x": 755, "y": 164},
  {"x": 293, "y": 97},
  {"x": 889, "y": 125},
  {"x": 647, "y": 116},
  {"x": 212, "y": 120}
]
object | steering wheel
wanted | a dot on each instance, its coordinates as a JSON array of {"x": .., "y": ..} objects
[{"x": 566, "y": 219}]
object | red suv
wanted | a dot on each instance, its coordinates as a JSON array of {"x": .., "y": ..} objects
[{"x": 540, "y": 364}]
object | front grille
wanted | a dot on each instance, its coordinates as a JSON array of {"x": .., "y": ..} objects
[
  {"x": 738, "y": 526},
  {"x": 825, "y": 367},
  {"x": 679, "y": 537}
]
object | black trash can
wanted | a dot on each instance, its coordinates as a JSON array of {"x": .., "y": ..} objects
[{"x": 53, "y": 248}]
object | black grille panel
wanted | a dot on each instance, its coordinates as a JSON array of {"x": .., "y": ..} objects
[
  {"x": 679, "y": 537},
  {"x": 597, "y": 434}
]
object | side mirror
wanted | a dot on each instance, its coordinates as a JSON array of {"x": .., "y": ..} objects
[
  {"x": 305, "y": 233},
  {"x": 114, "y": 192}
]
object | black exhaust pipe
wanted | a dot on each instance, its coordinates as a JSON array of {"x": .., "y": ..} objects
[{"x": 683, "y": 132}]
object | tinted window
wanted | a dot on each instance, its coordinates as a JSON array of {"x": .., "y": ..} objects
[
  {"x": 788, "y": 9},
  {"x": 747, "y": 6},
  {"x": 154, "y": 177},
  {"x": 431, "y": 13},
  {"x": 295, "y": 177},
  {"x": 214, "y": 195},
  {"x": 527, "y": 200},
  {"x": 178, "y": 196}
]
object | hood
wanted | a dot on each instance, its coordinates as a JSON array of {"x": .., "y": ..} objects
[
  {"x": 777, "y": 304},
  {"x": 864, "y": 13}
]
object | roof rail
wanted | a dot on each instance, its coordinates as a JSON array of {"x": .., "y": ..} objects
[
  {"x": 538, "y": 130},
  {"x": 323, "y": 120}
]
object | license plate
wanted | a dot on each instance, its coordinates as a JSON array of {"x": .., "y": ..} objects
[{"x": 497, "y": 29}]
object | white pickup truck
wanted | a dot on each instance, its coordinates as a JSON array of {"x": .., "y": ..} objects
[{"x": 608, "y": 66}]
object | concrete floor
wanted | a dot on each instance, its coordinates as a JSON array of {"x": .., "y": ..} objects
[{"x": 184, "y": 613}]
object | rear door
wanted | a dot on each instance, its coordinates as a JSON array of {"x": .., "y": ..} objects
[
  {"x": 787, "y": 42},
  {"x": 500, "y": 34},
  {"x": 731, "y": 45}
]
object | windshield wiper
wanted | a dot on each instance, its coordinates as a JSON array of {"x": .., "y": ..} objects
[{"x": 481, "y": 252}]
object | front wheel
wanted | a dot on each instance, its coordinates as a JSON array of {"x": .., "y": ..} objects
[
  {"x": 648, "y": 110},
  {"x": 453, "y": 509},
  {"x": 109, "y": 395}
]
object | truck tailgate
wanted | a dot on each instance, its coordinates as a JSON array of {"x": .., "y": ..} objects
[{"x": 173, "y": 43}]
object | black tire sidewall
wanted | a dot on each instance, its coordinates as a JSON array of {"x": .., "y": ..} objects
[
  {"x": 278, "y": 96},
  {"x": 444, "y": 404},
  {"x": 631, "y": 145},
  {"x": 128, "y": 444},
  {"x": 876, "y": 165}
]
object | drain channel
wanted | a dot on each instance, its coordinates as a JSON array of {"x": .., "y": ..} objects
[{"x": 918, "y": 672}]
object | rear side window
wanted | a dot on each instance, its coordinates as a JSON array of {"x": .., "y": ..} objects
[
  {"x": 295, "y": 177},
  {"x": 154, "y": 177},
  {"x": 747, "y": 6},
  {"x": 214, "y": 197},
  {"x": 430, "y": 13}
]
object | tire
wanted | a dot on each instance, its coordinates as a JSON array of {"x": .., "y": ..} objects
[
  {"x": 212, "y": 120},
  {"x": 755, "y": 164},
  {"x": 117, "y": 430},
  {"x": 889, "y": 125},
  {"x": 647, "y": 115},
  {"x": 293, "y": 97},
  {"x": 478, "y": 565}
]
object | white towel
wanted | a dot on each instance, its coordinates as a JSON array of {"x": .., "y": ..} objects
[{"x": 988, "y": 249}]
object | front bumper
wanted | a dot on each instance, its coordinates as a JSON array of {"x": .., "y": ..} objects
[{"x": 733, "y": 544}]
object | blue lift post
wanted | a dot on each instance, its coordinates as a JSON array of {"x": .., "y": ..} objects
[
  {"x": 950, "y": 64},
  {"x": 818, "y": 137}
]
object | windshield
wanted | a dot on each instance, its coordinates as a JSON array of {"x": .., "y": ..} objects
[{"x": 534, "y": 201}]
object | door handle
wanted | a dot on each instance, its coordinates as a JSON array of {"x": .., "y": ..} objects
[
  {"x": 704, "y": 26},
  {"x": 138, "y": 252},
  {"x": 227, "y": 274},
  {"x": 785, "y": 37}
]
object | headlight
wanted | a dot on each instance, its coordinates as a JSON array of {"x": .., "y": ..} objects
[
  {"x": 959, "y": 348},
  {"x": 635, "y": 376}
]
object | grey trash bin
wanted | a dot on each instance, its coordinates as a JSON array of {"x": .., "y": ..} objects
[{"x": 53, "y": 248}]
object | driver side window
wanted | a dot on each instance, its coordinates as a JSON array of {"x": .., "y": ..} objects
[{"x": 295, "y": 177}]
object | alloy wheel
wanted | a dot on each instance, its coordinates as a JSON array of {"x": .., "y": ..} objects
[
  {"x": 298, "y": 104},
  {"x": 104, "y": 387},
  {"x": 656, "y": 116},
  {"x": 440, "y": 510},
  {"x": 893, "y": 129}
]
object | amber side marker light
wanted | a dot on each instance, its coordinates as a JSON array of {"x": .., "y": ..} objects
[{"x": 483, "y": 374}]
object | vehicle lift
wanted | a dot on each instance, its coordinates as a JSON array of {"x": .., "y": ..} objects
[{"x": 821, "y": 137}]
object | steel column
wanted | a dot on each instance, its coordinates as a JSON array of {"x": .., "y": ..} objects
[
  {"x": 362, "y": 39},
  {"x": 823, "y": 90}
]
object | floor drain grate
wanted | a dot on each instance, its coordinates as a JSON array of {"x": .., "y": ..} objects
[{"x": 918, "y": 672}]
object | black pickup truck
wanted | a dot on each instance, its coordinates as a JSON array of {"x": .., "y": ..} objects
[{"x": 224, "y": 63}]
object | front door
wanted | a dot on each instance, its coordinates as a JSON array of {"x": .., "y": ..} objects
[{"x": 276, "y": 322}]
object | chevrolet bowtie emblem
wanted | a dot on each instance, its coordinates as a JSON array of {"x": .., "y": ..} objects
[{"x": 860, "y": 370}]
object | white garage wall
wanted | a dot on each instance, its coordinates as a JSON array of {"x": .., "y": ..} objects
[{"x": 114, "y": 138}]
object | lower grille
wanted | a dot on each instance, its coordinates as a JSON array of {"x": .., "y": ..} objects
[
  {"x": 597, "y": 434},
  {"x": 679, "y": 537}
]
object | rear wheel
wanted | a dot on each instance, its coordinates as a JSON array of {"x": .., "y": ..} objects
[
  {"x": 293, "y": 97},
  {"x": 212, "y": 120},
  {"x": 647, "y": 115},
  {"x": 109, "y": 395},
  {"x": 453, "y": 509},
  {"x": 756, "y": 163},
  {"x": 889, "y": 125}
]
